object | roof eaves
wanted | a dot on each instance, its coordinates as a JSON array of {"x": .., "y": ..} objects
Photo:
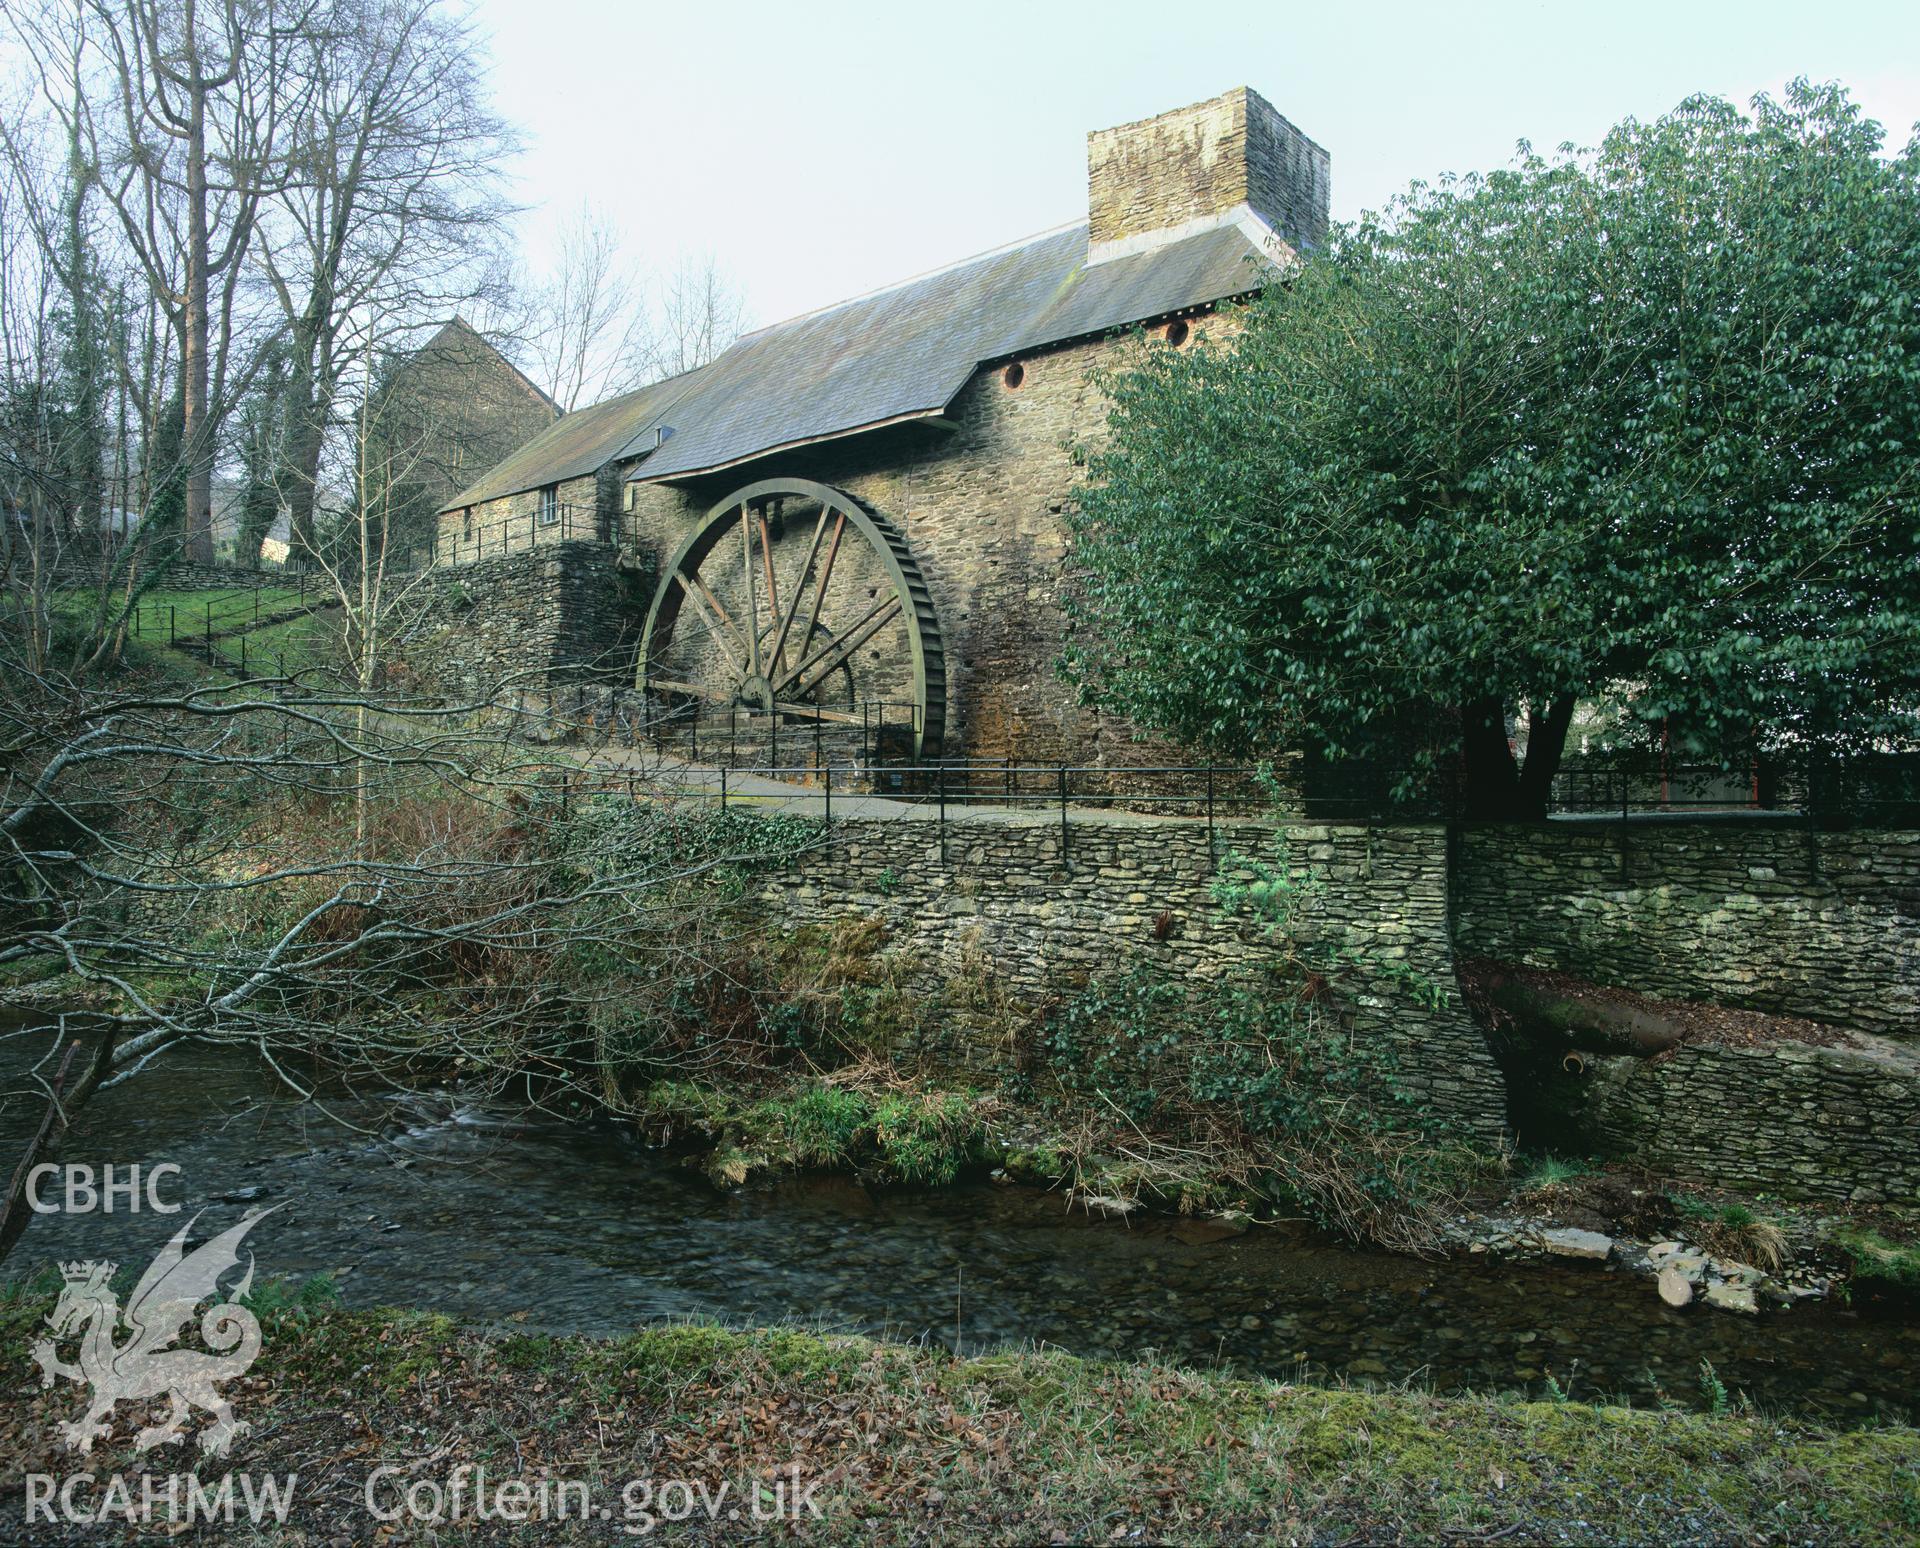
[{"x": 935, "y": 417}]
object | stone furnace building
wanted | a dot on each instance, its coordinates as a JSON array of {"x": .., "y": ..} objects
[{"x": 854, "y": 518}]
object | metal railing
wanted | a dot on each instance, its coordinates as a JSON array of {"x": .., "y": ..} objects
[
  {"x": 216, "y": 616},
  {"x": 557, "y": 523},
  {"x": 882, "y": 728},
  {"x": 1882, "y": 790}
]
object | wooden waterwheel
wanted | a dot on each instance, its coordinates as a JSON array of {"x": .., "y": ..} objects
[{"x": 793, "y": 600}]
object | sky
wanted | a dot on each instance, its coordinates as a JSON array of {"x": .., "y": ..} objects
[{"x": 817, "y": 150}]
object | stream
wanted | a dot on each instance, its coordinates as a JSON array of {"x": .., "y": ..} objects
[{"x": 491, "y": 1215}]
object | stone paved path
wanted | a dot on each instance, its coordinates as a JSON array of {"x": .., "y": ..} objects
[{"x": 765, "y": 793}]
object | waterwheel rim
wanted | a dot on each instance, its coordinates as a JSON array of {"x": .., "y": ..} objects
[{"x": 771, "y": 642}]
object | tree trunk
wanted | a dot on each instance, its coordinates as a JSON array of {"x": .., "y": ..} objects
[
  {"x": 303, "y": 468},
  {"x": 1492, "y": 779},
  {"x": 1499, "y": 788},
  {"x": 1546, "y": 745},
  {"x": 195, "y": 442},
  {"x": 1598, "y": 1024}
]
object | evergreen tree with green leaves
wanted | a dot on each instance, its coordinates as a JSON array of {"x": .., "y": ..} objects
[{"x": 1641, "y": 425}]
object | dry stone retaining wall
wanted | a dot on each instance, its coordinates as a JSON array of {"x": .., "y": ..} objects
[
  {"x": 554, "y": 617},
  {"x": 1824, "y": 925},
  {"x": 1009, "y": 913},
  {"x": 1806, "y": 1123}
]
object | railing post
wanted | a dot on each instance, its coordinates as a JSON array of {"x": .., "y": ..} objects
[
  {"x": 1063, "y": 814},
  {"x": 1212, "y": 853},
  {"x": 941, "y": 776},
  {"x": 829, "y": 787},
  {"x": 723, "y": 787}
]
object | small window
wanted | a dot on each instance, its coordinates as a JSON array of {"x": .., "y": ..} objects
[
  {"x": 1013, "y": 376},
  {"x": 466, "y": 525},
  {"x": 1177, "y": 332},
  {"x": 549, "y": 505}
]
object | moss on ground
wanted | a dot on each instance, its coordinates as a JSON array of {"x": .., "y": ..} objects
[
  {"x": 910, "y": 1445},
  {"x": 1878, "y": 1264}
]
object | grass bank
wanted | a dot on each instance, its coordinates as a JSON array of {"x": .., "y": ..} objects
[{"x": 904, "y": 1444}]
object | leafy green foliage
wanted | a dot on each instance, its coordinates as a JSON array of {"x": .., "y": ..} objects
[
  {"x": 1639, "y": 421},
  {"x": 1346, "y": 1138},
  {"x": 916, "y": 1136}
]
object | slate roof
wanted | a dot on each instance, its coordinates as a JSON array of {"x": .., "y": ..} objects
[
  {"x": 574, "y": 444},
  {"x": 899, "y": 353}
]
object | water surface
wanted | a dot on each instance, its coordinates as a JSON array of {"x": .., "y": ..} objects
[{"x": 486, "y": 1213}]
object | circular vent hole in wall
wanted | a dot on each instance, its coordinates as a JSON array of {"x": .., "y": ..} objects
[
  {"x": 1014, "y": 375},
  {"x": 1177, "y": 332}
]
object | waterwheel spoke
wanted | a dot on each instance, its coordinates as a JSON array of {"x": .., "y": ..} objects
[
  {"x": 826, "y": 574},
  {"x": 800, "y": 585},
  {"x": 715, "y": 617},
  {"x": 773, "y": 591},
  {"x": 753, "y": 604},
  {"x": 821, "y": 664}
]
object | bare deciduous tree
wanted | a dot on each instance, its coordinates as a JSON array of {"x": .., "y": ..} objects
[
  {"x": 392, "y": 202},
  {"x": 701, "y": 314},
  {"x": 586, "y": 332}
]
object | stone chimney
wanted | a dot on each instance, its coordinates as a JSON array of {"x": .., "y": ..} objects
[{"x": 1201, "y": 167}]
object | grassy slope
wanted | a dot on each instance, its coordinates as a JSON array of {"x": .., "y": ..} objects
[{"x": 919, "y": 1447}]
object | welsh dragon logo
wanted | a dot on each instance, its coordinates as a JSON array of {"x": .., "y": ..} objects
[{"x": 147, "y": 1366}]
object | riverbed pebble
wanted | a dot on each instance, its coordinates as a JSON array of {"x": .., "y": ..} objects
[
  {"x": 1572, "y": 1242},
  {"x": 1734, "y": 1298}
]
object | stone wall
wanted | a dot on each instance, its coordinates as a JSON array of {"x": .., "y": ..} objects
[
  {"x": 1803, "y": 1122},
  {"x": 1824, "y": 925},
  {"x": 1016, "y": 908},
  {"x": 555, "y": 615}
]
